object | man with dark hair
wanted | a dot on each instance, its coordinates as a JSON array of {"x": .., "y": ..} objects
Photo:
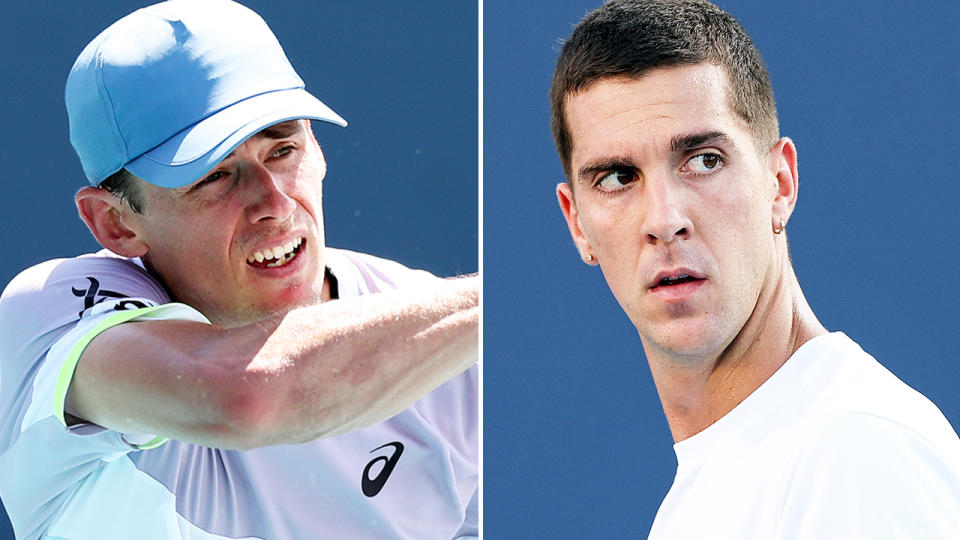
[
  {"x": 680, "y": 188},
  {"x": 217, "y": 371}
]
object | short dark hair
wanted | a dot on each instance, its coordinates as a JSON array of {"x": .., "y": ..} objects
[
  {"x": 630, "y": 37},
  {"x": 123, "y": 184}
]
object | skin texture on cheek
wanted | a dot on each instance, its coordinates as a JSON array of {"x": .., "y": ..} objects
[
  {"x": 189, "y": 255},
  {"x": 727, "y": 251}
]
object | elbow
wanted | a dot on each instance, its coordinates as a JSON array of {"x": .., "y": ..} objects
[
  {"x": 244, "y": 415},
  {"x": 265, "y": 410},
  {"x": 261, "y": 407}
]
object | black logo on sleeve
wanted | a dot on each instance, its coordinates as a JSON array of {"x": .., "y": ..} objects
[
  {"x": 93, "y": 295},
  {"x": 372, "y": 486}
]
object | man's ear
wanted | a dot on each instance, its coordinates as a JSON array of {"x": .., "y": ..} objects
[
  {"x": 113, "y": 223},
  {"x": 783, "y": 166},
  {"x": 569, "y": 208}
]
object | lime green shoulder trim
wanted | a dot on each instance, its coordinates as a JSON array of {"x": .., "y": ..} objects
[
  {"x": 155, "y": 442},
  {"x": 70, "y": 365}
]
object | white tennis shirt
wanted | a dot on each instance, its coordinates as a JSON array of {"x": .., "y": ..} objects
[
  {"x": 413, "y": 476},
  {"x": 831, "y": 446}
]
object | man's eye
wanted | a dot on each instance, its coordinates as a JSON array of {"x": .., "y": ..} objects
[
  {"x": 280, "y": 152},
  {"x": 213, "y": 177},
  {"x": 616, "y": 179},
  {"x": 703, "y": 163}
]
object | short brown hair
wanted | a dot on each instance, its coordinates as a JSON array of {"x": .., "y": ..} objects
[{"x": 631, "y": 37}]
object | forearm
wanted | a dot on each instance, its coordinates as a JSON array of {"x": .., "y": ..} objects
[
  {"x": 315, "y": 372},
  {"x": 340, "y": 366}
]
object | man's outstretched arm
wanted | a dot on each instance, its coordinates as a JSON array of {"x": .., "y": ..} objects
[{"x": 315, "y": 372}]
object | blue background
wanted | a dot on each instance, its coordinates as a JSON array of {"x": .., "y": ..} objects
[
  {"x": 576, "y": 444},
  {"x": 402, "y": 178}
]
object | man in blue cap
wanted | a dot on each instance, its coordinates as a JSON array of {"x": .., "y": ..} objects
[{"x": 243, "y": 403}]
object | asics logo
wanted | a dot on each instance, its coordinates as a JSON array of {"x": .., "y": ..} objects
[{"x": 372, "y": 486}]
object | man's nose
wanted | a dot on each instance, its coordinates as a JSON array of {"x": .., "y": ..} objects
[
  {"x": 267, "y": 196},
  {"x": 666, "y": 217}
]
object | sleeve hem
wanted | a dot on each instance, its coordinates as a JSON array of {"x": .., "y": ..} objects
[
  {"x": 156, "y": 442},
  {"x": 69, "y": 366}
]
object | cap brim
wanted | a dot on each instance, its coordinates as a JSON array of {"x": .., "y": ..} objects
[{"x": 188, "y": 155}]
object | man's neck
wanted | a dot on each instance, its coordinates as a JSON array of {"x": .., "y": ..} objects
[{"x": 695, "y": 394}]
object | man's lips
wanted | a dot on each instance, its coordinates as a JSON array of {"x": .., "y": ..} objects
[{"x": 674, "y": 277}]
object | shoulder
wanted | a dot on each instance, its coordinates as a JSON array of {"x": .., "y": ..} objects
[
  {"x": 863, "y": 476},
  {"x": 46, "y": 301},
  {"x": 848, "y": 442},
  {"x": 361, "y": 273},
  {"x": 94, "y": 276},
  {"x": 860, "y": 393},
  {"x": 871, "y": 446}
]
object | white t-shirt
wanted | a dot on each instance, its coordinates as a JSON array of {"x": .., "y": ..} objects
[
  {"x": 413, "y": 476},
  {"x": 831, "y": 446}
]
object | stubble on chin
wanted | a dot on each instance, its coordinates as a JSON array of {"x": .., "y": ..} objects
[{"x": 684, "y": 342}]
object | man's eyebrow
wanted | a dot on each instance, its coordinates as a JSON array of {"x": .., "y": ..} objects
[
  {"x": 683, "y": 143},
  {"x": 276, "y": 132},
  {"x": 678, "y": 144},
  {"x": 601, "y": 164},
  {"x": 281, "y": 130}
]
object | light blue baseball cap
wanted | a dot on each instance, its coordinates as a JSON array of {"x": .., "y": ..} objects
[{"x": 171, "y": 89}]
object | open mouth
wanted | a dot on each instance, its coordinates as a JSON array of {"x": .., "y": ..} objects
[
  {"x": 679, "y": 279},
  {"x": 278, "y": 255}
]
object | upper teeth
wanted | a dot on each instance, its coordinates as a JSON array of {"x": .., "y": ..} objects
[
  {"x": 681, "y": 276},
  {"x": 275, "y": 252}
]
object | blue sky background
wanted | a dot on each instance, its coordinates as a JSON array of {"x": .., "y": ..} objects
[
  {"x": 402, "y": 178},
  {"x": 576, "y": 445}
]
